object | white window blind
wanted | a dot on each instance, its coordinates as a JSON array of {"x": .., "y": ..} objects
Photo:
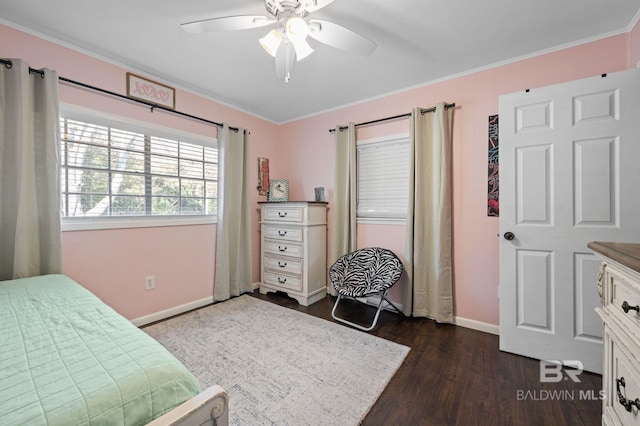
[
  {"x": 383, "y": 178},
  {"x": 107, "y": 171}
]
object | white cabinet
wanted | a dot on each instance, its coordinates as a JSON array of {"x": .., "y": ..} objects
[
  {"x": 619, "y": 288},
  {"x": 294, "y": 250}
]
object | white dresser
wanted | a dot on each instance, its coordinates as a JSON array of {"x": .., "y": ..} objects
[
  {"x": 294, "y": 249},
  {"x": 619, "y": 288}
]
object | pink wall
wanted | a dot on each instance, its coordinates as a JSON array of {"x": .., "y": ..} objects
[
  {"x": 113, "y": 263},
  {"x": 475, "y": 253},
  {"x": 634, "y": 37}
]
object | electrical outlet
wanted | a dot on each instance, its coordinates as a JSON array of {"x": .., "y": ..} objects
[{"x": 149, "y": 282}]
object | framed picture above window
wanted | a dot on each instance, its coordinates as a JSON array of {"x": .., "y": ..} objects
[{"x": 150, "y": 91}]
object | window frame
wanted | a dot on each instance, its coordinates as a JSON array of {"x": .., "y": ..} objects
[
  {"x": 92, "y": 116},
  {"x": 380, "y": 220}
]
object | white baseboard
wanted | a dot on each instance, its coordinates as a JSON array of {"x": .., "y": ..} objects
[
  {"x": 459, "y": 321},
  {"x": 477, "y": 325},
  {"x": 176, "y": 310}
]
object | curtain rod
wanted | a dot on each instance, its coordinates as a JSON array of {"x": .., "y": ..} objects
[
  {"x": 423, "y": 111},
  {"x": 153, "y": 106}
]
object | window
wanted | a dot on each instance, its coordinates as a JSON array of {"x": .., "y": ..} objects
[
  {"x": 113, "y": 171},
  {"x": 383, "y": 178}
]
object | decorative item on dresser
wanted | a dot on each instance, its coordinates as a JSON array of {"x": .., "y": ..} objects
[
  {"x": 278, "y": 190},
  {"x": 294, "y": 246},
  {"x": 619, "y": 289}
]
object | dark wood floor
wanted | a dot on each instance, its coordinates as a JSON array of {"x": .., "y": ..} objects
[{"x": 457, "y": 376}]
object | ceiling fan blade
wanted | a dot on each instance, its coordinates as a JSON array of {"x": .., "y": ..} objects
[
  {"x": 313, "y": 5},
  {"x": 340, "y": 37},
  {"x": 285, "y": 58},
  {"x": 227, "y": 23}
]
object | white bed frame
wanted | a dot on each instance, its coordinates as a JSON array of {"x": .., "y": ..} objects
[{"x": 210, "y": 407}]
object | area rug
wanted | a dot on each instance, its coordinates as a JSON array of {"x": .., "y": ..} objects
[{"x": 281, "y": 366}]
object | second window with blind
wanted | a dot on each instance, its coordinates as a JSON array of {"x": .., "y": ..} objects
[{"x": 383, "y": 179}]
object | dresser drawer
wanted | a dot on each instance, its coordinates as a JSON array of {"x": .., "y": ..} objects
[
  {"x": 284, "y": 248},
  {"x": 286, "y": 282},
  {"x": 289, "y": 265},
  {"x": 283, "y": 214},
  {"x": 622, "y": 296},
  {"x": 282, "y": 233},
  {"x": 623, "y": 380}
]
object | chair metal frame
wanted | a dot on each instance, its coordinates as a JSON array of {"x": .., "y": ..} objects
[{"x": 383, "y": 298}]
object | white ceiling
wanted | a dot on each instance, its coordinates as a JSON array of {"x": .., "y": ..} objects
[{"x": 418, "y": 41}]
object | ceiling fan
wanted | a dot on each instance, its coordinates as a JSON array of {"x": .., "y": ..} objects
[{"x": 287, "y": 40}]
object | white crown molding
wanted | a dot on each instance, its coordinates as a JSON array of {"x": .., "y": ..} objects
[
  {"x": 126, "y": 67},
  {"x": 471, "y": 71},
  {"x": 634, "y": 21}
]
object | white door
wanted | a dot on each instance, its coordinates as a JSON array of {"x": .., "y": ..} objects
[{"x": 569, "y": 175}]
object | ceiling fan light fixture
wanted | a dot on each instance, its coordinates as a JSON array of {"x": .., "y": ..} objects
[
  {"x": 296, "y": 29},
  {"x": 292, "y": 24},
  {"x": 271, "y": 42},
  {"x": 302, "y": 49}
]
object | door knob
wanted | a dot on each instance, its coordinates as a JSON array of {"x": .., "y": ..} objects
[{"x": 509, "y": 236}]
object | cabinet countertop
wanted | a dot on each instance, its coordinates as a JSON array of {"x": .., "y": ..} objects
[{"x": 627, "y": 254}]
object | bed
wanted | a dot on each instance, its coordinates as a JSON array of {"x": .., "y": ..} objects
[{"x": 66, "y": 358}]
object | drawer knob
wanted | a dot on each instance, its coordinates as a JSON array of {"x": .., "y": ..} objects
[
  {"x": 626, "y": 403},
  {"x": 626, "y": 308},
  {"x": 282, "y": 280},
  {"x": 282, "y": 264},
  {"x": 282, "y": 249},
  {"x": 282, "y": 233},
  {"x": 282, "y": 214}
]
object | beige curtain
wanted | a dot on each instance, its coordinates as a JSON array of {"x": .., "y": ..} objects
[
  {"x": 342, "y": 212},
  {"x": 30, "y": 239},
  {"x": 233, "y": 230},
  {"x": 428, "y": 289}
]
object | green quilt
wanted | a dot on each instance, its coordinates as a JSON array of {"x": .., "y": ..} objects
[{"x": 66, "y": 358}]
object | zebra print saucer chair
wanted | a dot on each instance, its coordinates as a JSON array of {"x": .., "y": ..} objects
[{"x": 363, "y": 273}]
